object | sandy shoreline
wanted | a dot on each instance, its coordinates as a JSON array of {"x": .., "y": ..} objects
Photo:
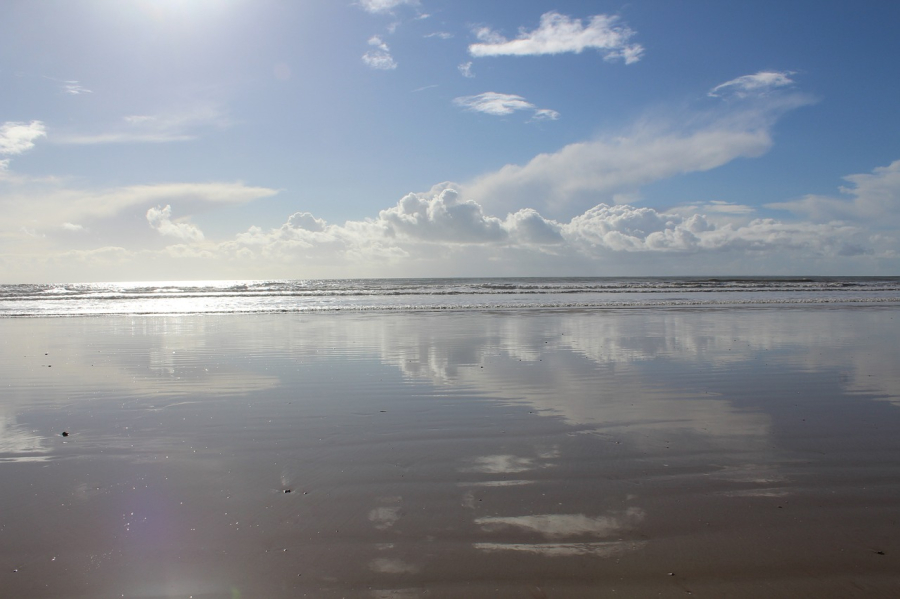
[{"x": 738, "y": 453}]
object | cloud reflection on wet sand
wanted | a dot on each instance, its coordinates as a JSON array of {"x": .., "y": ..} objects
[{"x": 330, "y": 454}]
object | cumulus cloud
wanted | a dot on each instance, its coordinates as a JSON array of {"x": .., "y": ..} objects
[
  {"x": 439, "y": 227},
  {"x": 385, "y": 6},
  {"x": 183, "y": 124},
  {"x": 380, "y": 57},
  {"x": 16, "y": 137},
  {"x": 528, "y": 227},
  {"x": 872, "y": 197},
  {"x": 502, "y": 105},
  {"x": 420, "y": 228},
  {"x": 579, "y": 175},
  {"x": 161, "y": 220},
  {"x": 559, "y": 34},
  {"x": 441, "y": 218},
  {"x": 630, "y": 229},
  {"x": 757, "y": 84}
]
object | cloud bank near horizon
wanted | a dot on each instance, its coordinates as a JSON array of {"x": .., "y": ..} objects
[{"x": 441, "y": 232}]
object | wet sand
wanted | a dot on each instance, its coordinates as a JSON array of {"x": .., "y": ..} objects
[{"x": 750, "y": 452}]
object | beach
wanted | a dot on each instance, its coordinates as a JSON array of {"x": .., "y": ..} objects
[{"x": 713, "y": 451}]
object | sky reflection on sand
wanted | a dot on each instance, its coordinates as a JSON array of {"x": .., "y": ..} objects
[{"x": 438, "y": 447}]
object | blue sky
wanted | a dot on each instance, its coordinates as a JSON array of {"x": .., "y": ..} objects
[{"x": 180, "y": 139}]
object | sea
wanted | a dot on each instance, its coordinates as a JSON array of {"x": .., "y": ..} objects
[{"x": 334, "y": 295}]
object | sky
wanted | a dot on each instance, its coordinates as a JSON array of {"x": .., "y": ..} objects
[{"x": 257, "y": 139}]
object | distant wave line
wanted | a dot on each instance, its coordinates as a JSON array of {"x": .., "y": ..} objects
[{"x": 317, "y": 309}]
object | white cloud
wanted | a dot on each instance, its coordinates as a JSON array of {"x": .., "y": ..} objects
[
  {"x": 441, "y": 218},
  {"x": 70, "y": 87},
  {"x": 161, "y": 220},
  {"x": 179, "y": 125},
  {"x": 757, "y": 84},
  {"x": 873, "y": 198},
  {"x": 380, "y": 58},
  {"x": 579, "y": 175},
  {"x": 72, "y": 227},
  {"x": 488, "y": 36},
  {"x": 16, "y": 137},
  {"x": 630, "y": 229},
  {"x": 559, "y": 34},
  {"x": 502, "y": 105},
  {"x": 73, "y": 88},
  {"x": 444, "y": 35},
  {"x": 465, "y": 69},
  {"x": 545, "y": 114},
  {"x": 528, "y": 227},
  {"x": 437, "y": 225},
  {"x": 385, "y": 6},
  {"x": 437, "y": 233},
  {"x": 494, "y": 103}
]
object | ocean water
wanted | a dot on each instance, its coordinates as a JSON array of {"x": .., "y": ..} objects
[
  {"x": 474, "y": 438},
  {"x": 274, "y": 296}
]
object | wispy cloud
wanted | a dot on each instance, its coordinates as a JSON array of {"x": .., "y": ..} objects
[
  {"x": 757, "y": 84},
  {"x": 174, "y": 126},
  {"x": 545, "y": 114},
  {"x": 582, "y": 173},
  {"x": 380, "y": 57},
  {"x": 70, "y": 87},
  {"x": 559, "y": 34},
  {"x": 50, "y": 208},
  {"x": 873, "y": 198},
  {"x": 465, "y": 69},
  {"x": 73, "y": 88},
  {"x": 503, "y": 104},
  {"x": 385, "y": 6},
  {"x": 444, "y": 35},
  {"x": 493, "y": 103}
]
